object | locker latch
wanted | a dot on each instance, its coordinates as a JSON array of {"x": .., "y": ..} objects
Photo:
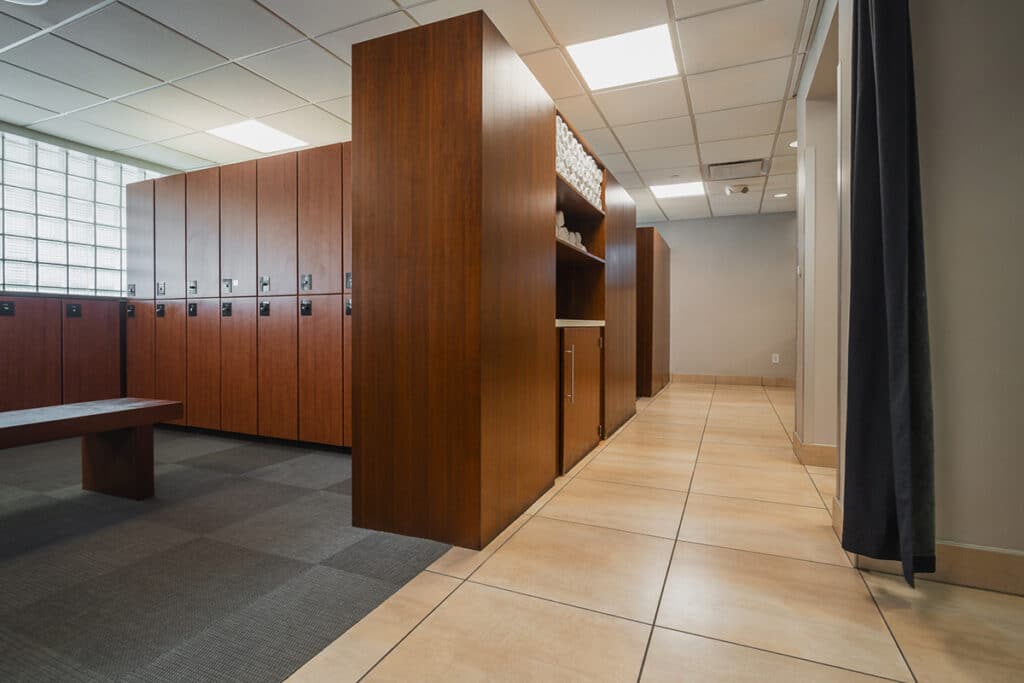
[
  {"x": 131, "y": 290},
  {"x": 348, "y": 306},
  {"x": 161, "y": 289},
  {"x": 227, "y": 285},
  {"x": 74, "y": 310},
  {"x": 348, "y": 280},
  {"x": 264, "y": 308},
  {"x": 160, "y": 310},
  {"x": 130, "y": 310},
  {"x": 225, "y": 309},
  {"x": 306, "y": 282},
  {"x": 7, "y": 308},
  {"x": 193, "y": 310},
  {"x": 264, "y": 283},
  {"x": 305, "y": 307},
  {"x": 193, "y": 287}
]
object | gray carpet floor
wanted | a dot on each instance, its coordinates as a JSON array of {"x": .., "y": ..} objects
[{"x": 242, "y": 567}]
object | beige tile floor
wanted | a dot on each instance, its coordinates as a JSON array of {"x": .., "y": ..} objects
[{"x": 666, "y": 555}]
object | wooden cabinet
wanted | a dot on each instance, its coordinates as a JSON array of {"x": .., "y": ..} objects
[
  {"x": 347, "y": 371},
  {"x": 320, "y": 220},
  {"x": 140, "y": 350},
  {"x": 169, "y": 236},
  {"x": 202, "y": 229},
  {"x": 276, "y": 232},
  {"x": 91, "y": 344},
  {"x": 321, "y": 397},
  {"x": 277, "y": 367},
  {"x": 581, "y": 359},
  {"x": 170, "y": 367},
  {"x": 238, "y": 229},
  {"x": 620, "y": 306},
  {"x": 30, "y": 343},
  {"x": 139, "y": 239},
  {"x": 202, "y": 353},
  {"x": 346, "y": 215},
  {"x": 652, "y": 311},
  {"x": 238, "y": 411}
]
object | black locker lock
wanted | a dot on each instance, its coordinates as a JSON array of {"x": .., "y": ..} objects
[
  {"x": 129, "y": 310},
  {"x": 305, "y": 307},
  {"x": 74, "y": 310},
  {"x": 6, "y": 309},
  {"x": 225, "y": 309},
  {"x": 160, "y": 310},
  {"x": 348, "y": 280},
  {"x": 265, "y": 308},
  {"x": 131, "y": 290},
  {"x": 193, "y": 310},
  {"x": 348, "y": 306}
]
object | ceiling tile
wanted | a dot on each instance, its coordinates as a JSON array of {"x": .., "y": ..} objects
[
  {"x": 740, "y": 149},
  {"x": 749, "y": 33},
  {"x": 647, "y": 210},
  {"x": 305, "y": 69},
  {"x": 784, "y": 165},
  {"x": 617, "y": 163},
  {"x": 182, "y": 107},
  {"x": 789, "y": 115},
  {"x": 234, "y": 28},
  {"x": 87, "y": 133},
  {"x": 341, "y": 107},
  {"x": 688, "y": 8},
  {"x": 601, "y": 141},
  {"x": 576, "y": 21},
  {"x": 165, "y": 156},
  {"x": 759, "y": 119},
  {"x": 240, "y": 90},
  {"x": 580, "y": 112},
  {"x": 551, "y": 69},
  {"x": 74, "y": 65},
  {"x": 648, "y": 102},
  {"x": 717, "y": 188},
  {"x": 669, "y": 176},
  {"x": 340, "y": 42},
  {"x": 41, "y": 91},
  {"x": 782, "y": 147},
  {"x": 685, "y": 208},
  {"x": 134, "y": 39},
  {"x": 784, "y": 182},
  {"x": 319, "y": 16},
  {"x": 783, "y": 205},
  {"x": 647, "y": 217},
  {"x": 49, "y": 14},
  {"x": 736, "y": 205},
  {"x": 629, "y": 180},
  {"x": 211, "y": 147},
  {"x": 13, "y": 30},
  {"x": 514, "y": 18},
  {"x": 666, "y": 157},
  {"x": 653, "y": 134},
  {"x": 20, "y": 113},
  {"x": 313, "y": 125},
  {"x": 123, "y": 118},
  {"x": 740, "y": 86}
]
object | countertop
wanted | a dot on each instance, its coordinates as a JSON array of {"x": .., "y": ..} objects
[{"x": 565, "y": 322}]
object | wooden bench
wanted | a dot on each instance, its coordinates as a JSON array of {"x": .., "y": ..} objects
[{"x": 117, "y": 439}]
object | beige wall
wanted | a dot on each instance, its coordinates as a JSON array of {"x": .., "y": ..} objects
[{"x": 733, "y": 295}]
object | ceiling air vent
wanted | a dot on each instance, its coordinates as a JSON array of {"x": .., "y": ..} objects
[{"x": 738, "y": 169}]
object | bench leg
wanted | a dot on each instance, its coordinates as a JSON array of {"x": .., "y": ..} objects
[{"x": 119, "y": 463}]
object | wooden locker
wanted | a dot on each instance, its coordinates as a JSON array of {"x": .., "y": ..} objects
[
  {"x": 140, "y": 350},
  {"x": 169, "y": 236},
  {"x": 91, "y": 345},
  {"x": 276, "y": 232},
  {"x": 30, "y": 331},
  {"x": 321, "y": 397},
  {"x": 581, "y": 393},
  {"x": 346, "y": 214},
  {"x": 238, "y": 405},
  {"x": 202, "y": 354},
  {"x": 320, "y": 220},
  {"x": 170, "y": 367},
  {"x": 202, "y": 230},
  {"x": 238, "y": 229},
  {"x": 346, "y": 372},
  {"x": 277, "y": 367},
  {"x": 139, "y": 239}
]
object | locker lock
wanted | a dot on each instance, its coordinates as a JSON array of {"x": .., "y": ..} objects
[
  {"x": 6, "y": 308},
  {"x": 160, "y": 310},
  {"x": 130, "y": 310},
  {"x": 131, "y": 289},
  {"x": 264, "y": 308},
  {"x": 305, "y": 307},
  {"x": 225, "y": 309},
  {"x": 193, "y": 286},
  {"x": 161, "y": 289},
  {"x": 227, "y": 285},
  {"x": 348, "y": 306},
  {"x": 348, "y": 280},
  {"x": 264, "y": 283},
  {"x": 74, "y": 310},
  {"x": 193, "y": 310},
  {"x": 306, "y": 282}
]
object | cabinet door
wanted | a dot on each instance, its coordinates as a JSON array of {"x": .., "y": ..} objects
[
  {"x": 202, "y": 353},
  {"x": 238, "y": 229},
  {"x": 277, "y": 367},
  {"x": 238, "y": 411},
  {"x": 581, "y": 393},
  {"x": 91, "y": 350},
  {"x": 346, "y": 214},
  {"x": 170, "y": 368},
  {"x": 30, "y": 331},
  {"x": 321, "y": 395},
  {"x": 139, "y": 239},
  {"x": 347, "y": 372},
  {"x": 169, "y": 236},
  {"x": 276, "y": 231},
  {"x": 320, "y": 220},
  {"x": 140, "y": 350},
  {"x": 202, "y": 230}
]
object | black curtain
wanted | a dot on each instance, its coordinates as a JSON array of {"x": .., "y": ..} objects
[{"x": 889, "y": 493}]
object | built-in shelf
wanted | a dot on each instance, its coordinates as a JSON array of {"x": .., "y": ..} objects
[
  {"x": 575, "y": 206},
  {"x": 567, "y": 251}
]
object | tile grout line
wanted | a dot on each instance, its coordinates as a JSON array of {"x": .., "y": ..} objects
[{"x": 895, "y": 640}]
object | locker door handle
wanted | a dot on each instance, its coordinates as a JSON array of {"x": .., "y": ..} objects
[
  {"x": 74, "y": 310},
  {"x": 130, "y": 310},
  {"x": 161, "y": 289},
  {"x": 7, "y": 309},
  {"x": 160, "y": 310},
  {"x": 265, "y": 308},
  {"x": 264, "y": 283},
  {"x": 348, "y": 280},
  {"x": 193, "y": 286},
  {"x": 306, "y": 282},
  {"x": 193, "y": 310},
  {"x": 305, "y": 307},
  {"x": 225, "y": 309},
  {"x": 227, "y": 285},
  {"x": 572, "y": 373},
  {"x": 348, "y": 306},
  {"x": 131, "y": 289}
]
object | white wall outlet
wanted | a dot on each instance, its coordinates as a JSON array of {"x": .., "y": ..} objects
[{"x": 775, "y": 359}]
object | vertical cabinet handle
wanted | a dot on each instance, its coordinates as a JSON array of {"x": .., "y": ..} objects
[{"x": 572, "y": 373}]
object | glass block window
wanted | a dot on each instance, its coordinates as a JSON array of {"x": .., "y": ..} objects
[{"x": 62, "y": 219}]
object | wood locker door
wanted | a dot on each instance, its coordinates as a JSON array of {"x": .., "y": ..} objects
[
  {"x": 277, "y": 367},
  {"x": 169, "y": 236},
  {"x": 276, "y": 231},
  {"x": 202, "y": 230},
  {"x": 320, "y": 220},
  {"x": 238, "y": 411},
  {"x": 30, "y": 331},
  {"x": 581, "y": 393},
  {"x": 321, "y": 397},
  {"x": 346, "y": 214},
  {"x": 140, "y": 349},
  {"x": 170, "y": 367},
  {"x": 238, "y": 229},
  {"x": 202, "y": 353},
  {"x": 347, "y": 372},
  {"x": 91, "y": 350},
  {"x": 139, "y": 239}
]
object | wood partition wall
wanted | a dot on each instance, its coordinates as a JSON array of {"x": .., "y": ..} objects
[{"x": 653, "y": 312}]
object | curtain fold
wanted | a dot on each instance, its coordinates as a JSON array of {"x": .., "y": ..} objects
[{"x": 889, "y": 492}]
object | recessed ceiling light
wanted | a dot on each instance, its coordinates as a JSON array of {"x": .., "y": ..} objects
[
  {"x": 678, "y": 190},
  {"x": 781, "y": 195},
  {"x": 793, "y": 144},
  {"x": 30, "y": 3},
  {"x": 626, "y": 58},
  {"x": 257, "y": 136}
]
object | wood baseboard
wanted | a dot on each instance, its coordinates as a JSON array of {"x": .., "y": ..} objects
[
  {"x": 816, "y": 455},
  {"x": 743, "y": 380},
  {"x": 964, "y": 565}
]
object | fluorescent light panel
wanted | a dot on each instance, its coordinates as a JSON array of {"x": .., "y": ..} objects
[
  {"x": 257, "y": 136},
  {"x": 678, "y": 190},
  {"x": 632, "y": 57}
]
